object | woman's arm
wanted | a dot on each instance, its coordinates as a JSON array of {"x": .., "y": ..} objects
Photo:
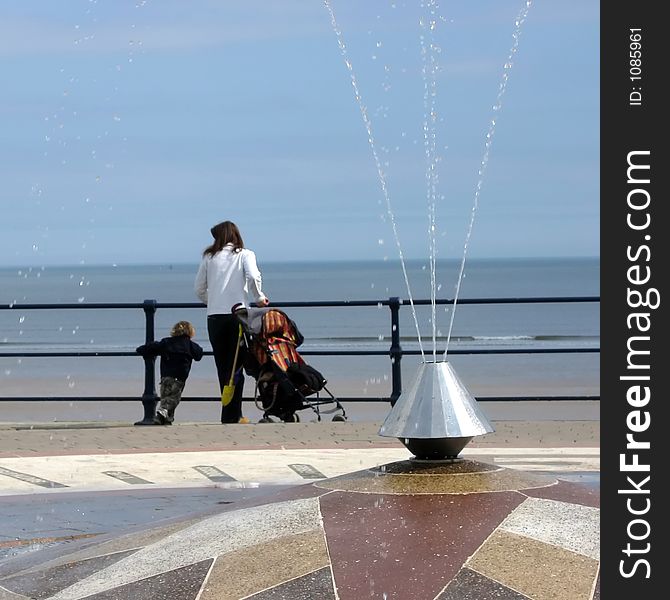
[
  {"x": 200, "y": 286},
  {"x": 254, "y": 279}
]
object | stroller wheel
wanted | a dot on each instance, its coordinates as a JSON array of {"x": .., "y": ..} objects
[
  {"x": 291, "y": 418},
  {"x": 339, "y": 418},
  {"x": 265, "y": 420}
]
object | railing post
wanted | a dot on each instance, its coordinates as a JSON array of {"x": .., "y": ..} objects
[
  {"x": 149, "y": 397},
  {"x": 395, "y": 350}
]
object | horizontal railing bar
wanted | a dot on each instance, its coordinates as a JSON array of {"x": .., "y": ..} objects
[
  {"x": 516, "y": 300},
  {"x": 342, "y": 399},
  {"x": 69, "y": 305},
  {"x": 330, "y": 303},
  {"x": 63, "y": 354},
  {"x": 321, "y": 352},
  {"x": 510, "y": 351}
]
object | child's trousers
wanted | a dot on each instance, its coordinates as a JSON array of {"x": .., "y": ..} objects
[{"x": 171, "y": 390}]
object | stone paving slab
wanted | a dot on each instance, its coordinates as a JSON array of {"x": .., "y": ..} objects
[
  {"x": 230, "y": 469},
  {"x": 67, "y": 457}
]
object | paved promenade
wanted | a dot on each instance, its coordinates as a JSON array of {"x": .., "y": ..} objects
[
  {"x": 107, "y": 510},
  {"x": 93, "y": 456},
  {"x": 38, "y": 456}
]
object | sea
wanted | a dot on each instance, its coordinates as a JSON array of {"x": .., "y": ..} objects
[{"x": 491, "y": 326}]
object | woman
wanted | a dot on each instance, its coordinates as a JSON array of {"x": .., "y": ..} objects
[{"x": 228, "y": 275}]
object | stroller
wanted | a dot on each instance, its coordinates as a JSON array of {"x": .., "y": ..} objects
[{"x": 284, "y": 380}]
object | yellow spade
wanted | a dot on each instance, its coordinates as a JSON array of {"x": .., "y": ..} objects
[{"x": 229, "y": 390}]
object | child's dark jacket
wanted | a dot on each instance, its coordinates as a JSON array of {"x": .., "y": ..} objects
[{"x": 177, "y": 354}]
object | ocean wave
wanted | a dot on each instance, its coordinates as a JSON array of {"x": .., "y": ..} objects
[
  {"x": 325, "y": 343},
  {"x": 454, "y": 338}
]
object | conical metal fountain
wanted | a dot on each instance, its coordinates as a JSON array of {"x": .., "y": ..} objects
[{"x": 437, "y": 416}]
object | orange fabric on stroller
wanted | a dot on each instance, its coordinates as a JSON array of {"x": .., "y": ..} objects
[{"x": 277, "y": 341}]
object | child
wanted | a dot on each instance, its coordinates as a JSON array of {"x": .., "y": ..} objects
[{"x": 177, "y": 353}]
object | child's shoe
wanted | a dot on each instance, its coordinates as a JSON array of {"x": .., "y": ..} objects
[{"x": 161, "y": 417}]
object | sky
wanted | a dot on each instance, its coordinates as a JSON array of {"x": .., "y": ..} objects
[{"x": 130, "y": 127}]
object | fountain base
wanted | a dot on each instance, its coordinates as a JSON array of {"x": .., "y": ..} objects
[{"x": 436, "y": 448}]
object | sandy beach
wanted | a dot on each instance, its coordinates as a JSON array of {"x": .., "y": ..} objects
[{"x": 523, "y": 375}]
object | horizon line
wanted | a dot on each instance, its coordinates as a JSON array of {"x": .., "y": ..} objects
[{"x": 299, "y": 261}]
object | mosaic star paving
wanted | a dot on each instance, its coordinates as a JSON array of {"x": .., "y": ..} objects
[{"x": 410, "y": 530}]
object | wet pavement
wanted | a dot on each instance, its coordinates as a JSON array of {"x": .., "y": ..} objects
[{"x": 36, "y": 521}]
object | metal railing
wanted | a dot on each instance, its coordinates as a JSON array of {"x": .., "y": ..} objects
[{"x": 395, "y": 352}]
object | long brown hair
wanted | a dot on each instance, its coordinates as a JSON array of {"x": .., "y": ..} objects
[{"x": 224, "y": 233}]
